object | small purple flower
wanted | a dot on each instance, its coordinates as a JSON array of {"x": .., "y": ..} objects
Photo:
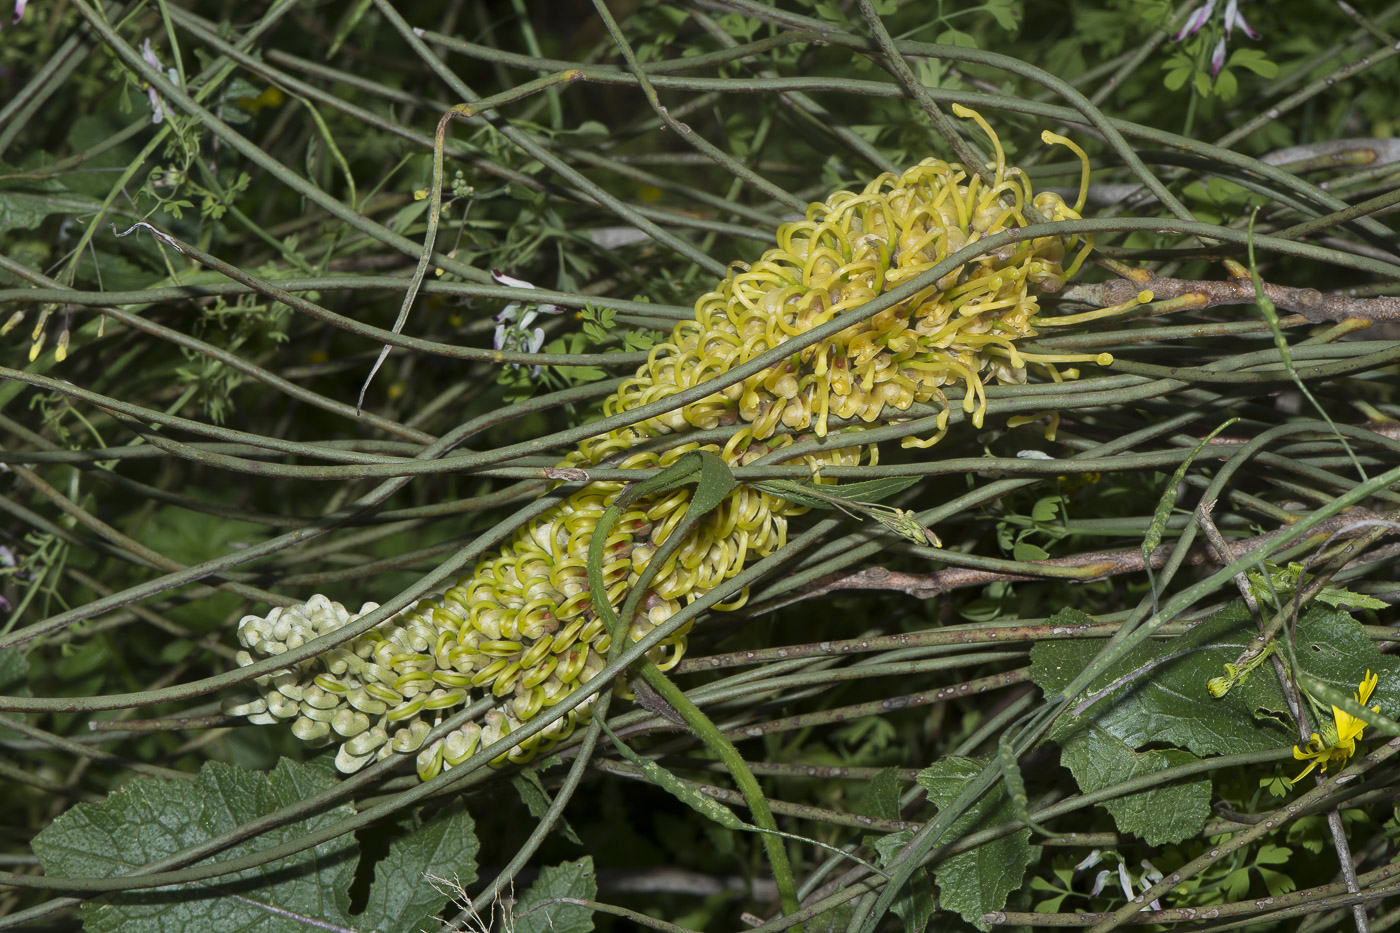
[
  {"x": 158, "y": 109},
  {"x": 1217, "y": 59},
  {"x": 1233, "y": 18},
  {"x": 513, "y": 326},
  {"x": 19, "y": 13},
  {"x": 1125, "y": 881},
  {"x": 1150, "y": 876},
  {"x": 1196, "y": 20},
  {"x": 1090, "y": 860}
]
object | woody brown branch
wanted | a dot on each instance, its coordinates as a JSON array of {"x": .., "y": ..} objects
[
  {"x": 1099, "y": 565},
  {"x": 1312, "y": 304}
]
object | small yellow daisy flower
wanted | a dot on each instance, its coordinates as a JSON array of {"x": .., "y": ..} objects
[{"x": 1337, "y": 741}]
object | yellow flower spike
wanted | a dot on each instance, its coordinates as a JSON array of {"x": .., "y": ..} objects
[
  {"x": 521, "y": 625},
  {"x": 1337, "y": 742},
  {"x": 1050, "y": 138}
]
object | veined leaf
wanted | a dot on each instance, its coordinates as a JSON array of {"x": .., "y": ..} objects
[
  {"x": 149, "y": 819},
  {"x": 1163, "y": 696},
  {"x": 977, "y": 882},
  {"x": 400, "y": 897},
  {"x": 574, "y": 879},
  {"x": 1162, "y": 815},
  {"x": 1160, "y": 690},
  {"x": 880, "y": 799}
]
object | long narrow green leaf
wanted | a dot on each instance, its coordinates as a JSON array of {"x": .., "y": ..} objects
[{"x": 1163, "y": 513}]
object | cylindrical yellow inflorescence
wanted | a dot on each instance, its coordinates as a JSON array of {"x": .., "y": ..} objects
[{"x": 521, "y": 627}]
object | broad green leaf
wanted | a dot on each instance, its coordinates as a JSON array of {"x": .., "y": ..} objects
[
  {"x": 1163, "y": 815},
  {"x": 1226, "y": 85},
  {"x": 917, "y": 903},
  {"x": 1007, "y": 13},
  {"x": 880, "y": 799},
  {"x": 1176, "y": 78},
  {"x": 1256, "y": 60},
  {"x": 14, "y": 673},
  {"x": 401, "y": 898},
  {"x": 976, "y": 882},
  {"x": 1044, "y": 509},
  {"x": 1025, "y": 551},
  {"x": 1165, "y": 699},
  {"x": 956, "y": 37},
  {"x": 24, "y": 210},
  {"x": 149, "y": 819},
  {"x": 86, "y": 135},
  {"x": 536, "y": 799},
  {"x": 1333, "y": 647},
  {"x": 26, "y": 200},
  {"x": 194, "y": 537},
  {"x": 571, "y": 879}
]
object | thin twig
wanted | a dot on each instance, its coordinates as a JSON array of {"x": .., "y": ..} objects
[{"x": 1196, "y": 294}]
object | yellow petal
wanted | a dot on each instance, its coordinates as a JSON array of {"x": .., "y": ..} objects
[{"x": 1368, "y": 684}]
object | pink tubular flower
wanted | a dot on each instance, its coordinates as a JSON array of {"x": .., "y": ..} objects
[
  {"x": 1201, "y": 16},
  {"x": 157, "y": 112},
  {"x": 1233, "y": 18},
  {"x": 19, "y": 12},
  {"x": 1217, "y": 59},
  {"x": 1196, "y": 20},
  {"x": 513, "y": 326},
  {"x": 158, "y": 107}
]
